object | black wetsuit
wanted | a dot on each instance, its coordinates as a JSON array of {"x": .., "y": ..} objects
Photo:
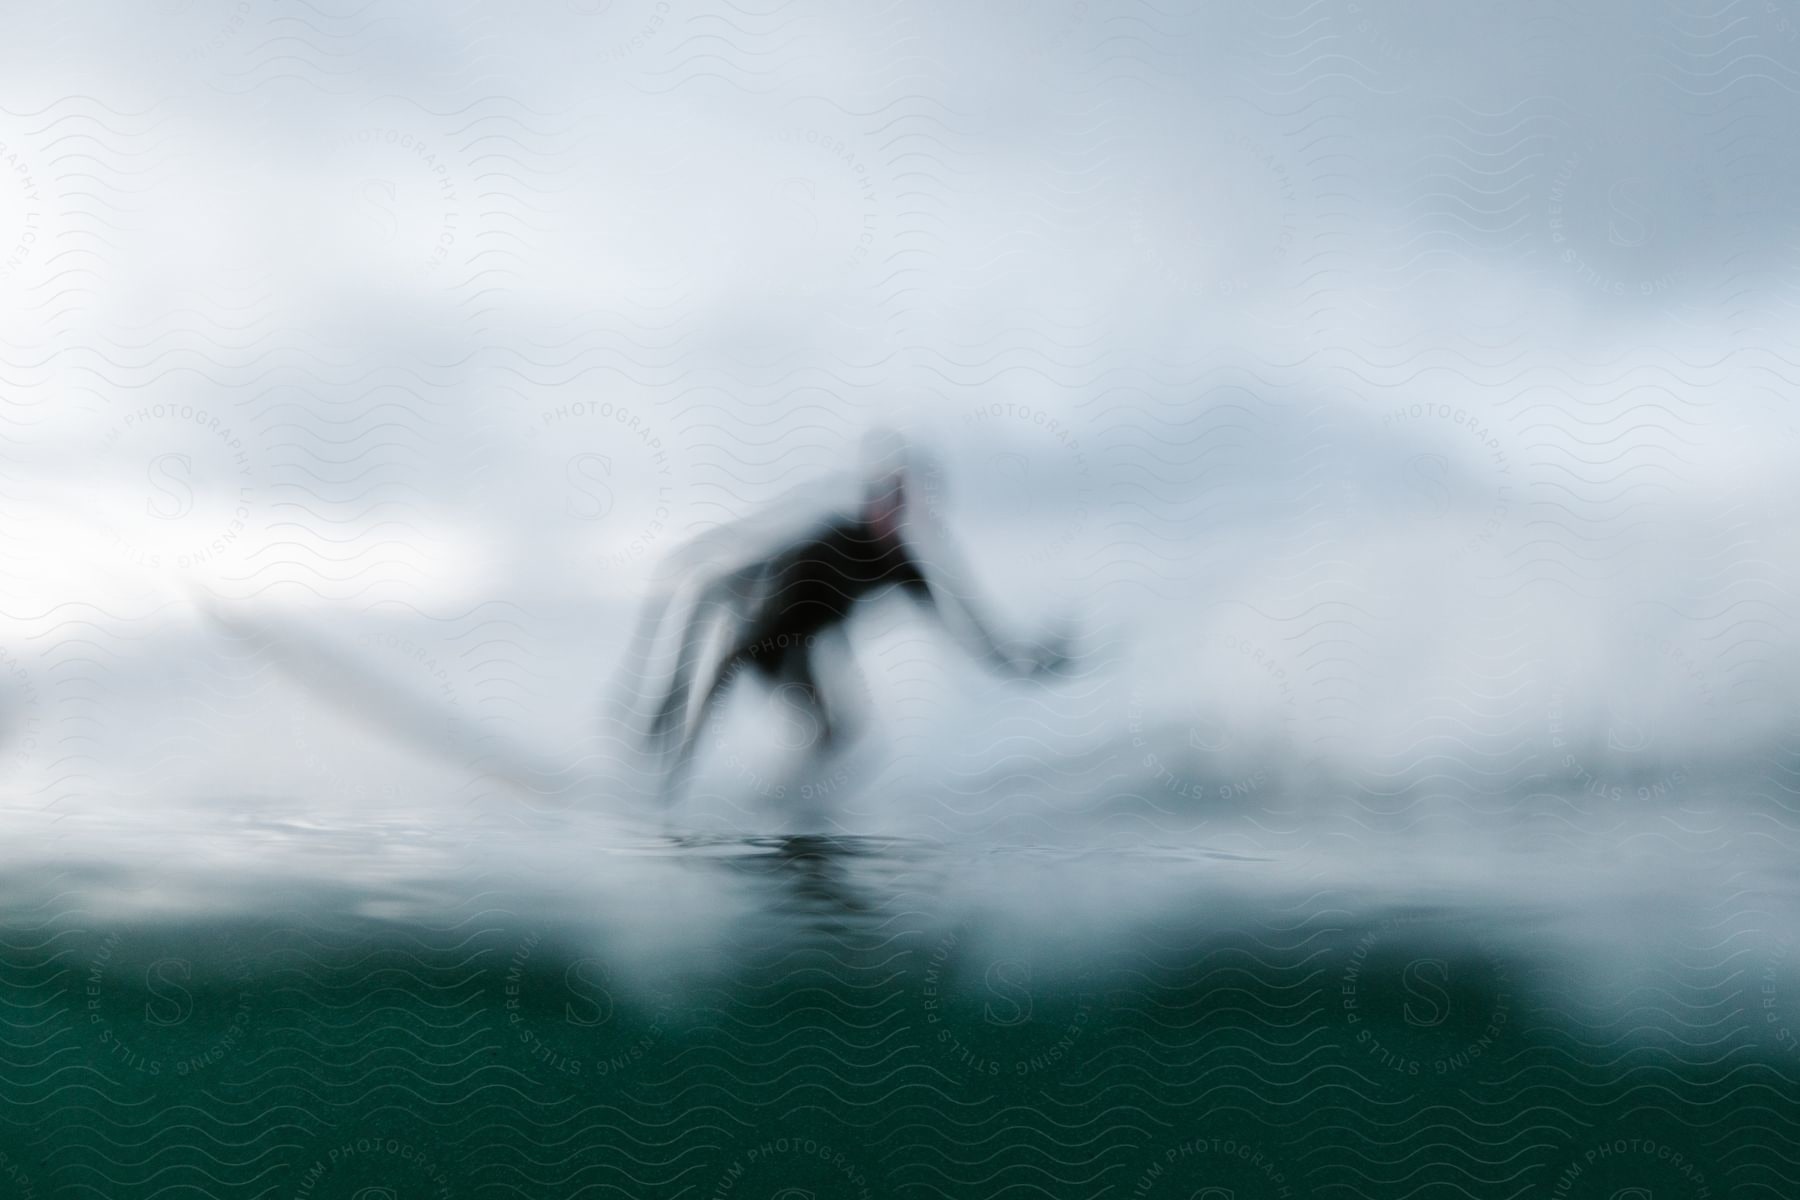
[{"x": 817, "y": 583}]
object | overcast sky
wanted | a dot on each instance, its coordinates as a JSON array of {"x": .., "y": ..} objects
[{"x": 1399, "y": 385}]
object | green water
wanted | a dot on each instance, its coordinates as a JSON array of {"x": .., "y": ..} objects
[{"x": 843, "y": 1032}]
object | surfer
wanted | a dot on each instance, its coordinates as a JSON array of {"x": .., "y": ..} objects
[{"x": 779, "y": 615}]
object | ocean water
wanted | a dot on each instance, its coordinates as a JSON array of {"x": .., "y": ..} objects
[{"x": 1576, "y": 995}]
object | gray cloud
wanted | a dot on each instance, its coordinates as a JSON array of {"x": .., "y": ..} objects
[{"x": 1371, "y": 386}]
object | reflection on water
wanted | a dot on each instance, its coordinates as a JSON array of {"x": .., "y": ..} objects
[{"x": 245, "y": 1005}]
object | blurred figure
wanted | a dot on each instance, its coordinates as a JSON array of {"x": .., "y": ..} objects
[{"x": 779, "y": 615}]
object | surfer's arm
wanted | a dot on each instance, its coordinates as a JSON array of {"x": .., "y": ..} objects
[
  {"x": 963, "y": 616},
  {"x": 939, "y": 581}
]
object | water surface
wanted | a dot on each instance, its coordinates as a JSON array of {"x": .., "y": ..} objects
[{"x": 234, "y": 1002}]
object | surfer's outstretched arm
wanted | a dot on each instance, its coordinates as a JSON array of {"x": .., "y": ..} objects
[
  {"x": 943, "y": 586},
  {"x": 960, "y": 616}
]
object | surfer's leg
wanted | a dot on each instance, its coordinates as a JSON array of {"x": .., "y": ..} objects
[
  {"x": 690, "y": 743},
  {"x": 842, "y": 696},
  {"x": 799, "y": 685},
  {"x": 808, "y": 807},
  {"x": 712, "y": 604}
]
